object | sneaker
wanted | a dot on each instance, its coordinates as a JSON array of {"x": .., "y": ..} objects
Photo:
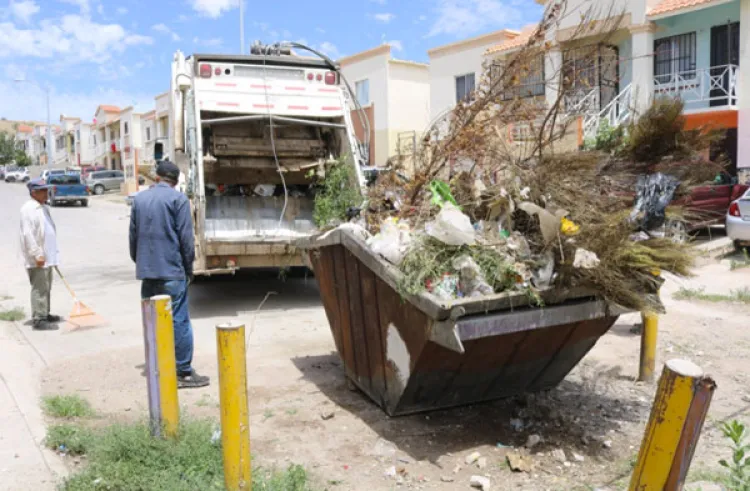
[
  {"x": 43, "y": 325},
  {"x": 54, "y": 318},
  {"x": 192, "y": 380}
]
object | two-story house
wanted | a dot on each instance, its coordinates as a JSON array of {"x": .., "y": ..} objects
[
  {"x": 395, "y": 98},
  {"x": 106, "y": 136}
]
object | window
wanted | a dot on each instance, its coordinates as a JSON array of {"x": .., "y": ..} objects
[
  {"x": 464, "y": 87},
  {"x": 78, "y": 135},
  {"x": 675, "y": 55},
  {"x": 118, "y": 174},
  {"x": 94, "y": 139},
  {"x": 363, "y": 92},
  {"x": 125, "y": 128},
  {"x": 530, "y": 83},
  {"x": 148, "y": 134}
]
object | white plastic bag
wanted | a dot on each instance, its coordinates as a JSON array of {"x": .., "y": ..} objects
[
  {"x": 585, "y": 259},
  {"x": 452, "y": 227},
  {"x": 265, "y": 190},
  {"x": 472, "y": 281},
  {"x": 392, "y": 242}
]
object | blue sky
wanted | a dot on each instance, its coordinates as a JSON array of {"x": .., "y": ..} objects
[{"x": 92, "y": 52}]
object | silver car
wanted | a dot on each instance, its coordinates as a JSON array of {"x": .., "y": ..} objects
[
  {"x": 102, "y": 181},
  {"x": 738, "y": 220}
]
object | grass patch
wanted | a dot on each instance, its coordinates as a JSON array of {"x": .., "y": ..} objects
[
  {"x": 3, "y": 298},
  {"x": 12, "y": 315},
  {"x": 127, "y": 458},
  {"x": 741, "y": 295},
  {"x": 70, "y": 406},
  {"x": 741, "y": 264}
]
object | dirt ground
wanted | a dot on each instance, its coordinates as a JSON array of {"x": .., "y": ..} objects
[{"x": 302, "y": 411}]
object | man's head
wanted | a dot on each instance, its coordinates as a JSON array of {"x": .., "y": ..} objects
[
  {"x": 167, "y": 172},
  {"x": 39, "y": 190}
]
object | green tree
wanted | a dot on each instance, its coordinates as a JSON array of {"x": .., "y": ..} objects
[
  {"x": 22, "y": 160},
  {"x": 7, "y": 148}
]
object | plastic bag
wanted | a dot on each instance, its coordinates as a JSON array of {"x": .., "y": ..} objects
[
  {"x": 265, "y": 190},
  {"x": 445, "y": 288},
  {"x": 392, "y": 242},
  {"x": 472, "y": 282},
  {"x": 653, "y": 195},
  {"x": 585, "y": 259},
  {"x": 452, "y": 227}
]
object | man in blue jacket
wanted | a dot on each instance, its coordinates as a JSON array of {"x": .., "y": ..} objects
[{"x": 162, "y": 247}]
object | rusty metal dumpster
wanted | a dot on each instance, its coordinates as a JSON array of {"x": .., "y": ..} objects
[{"x": 420, "y": 353}]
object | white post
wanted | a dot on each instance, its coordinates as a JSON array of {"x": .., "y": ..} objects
[
  {"x": 552, "y": 76},
  {"x": 643, "y": 66},
  {"x": 743, "y": 96}
]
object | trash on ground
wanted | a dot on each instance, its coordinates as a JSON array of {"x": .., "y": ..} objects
[
  {"x": 519, "y": 463},
  {"x": 480, "y": 482}
]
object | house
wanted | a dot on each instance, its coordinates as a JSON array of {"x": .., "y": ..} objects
[
  {"x": 653, "y": 48},
  {"x": 161, "y": 147},
  {"x": 130, "y": 147},
  {"x": 65, "y": 142},
  {"x": 456, "y": 69},
  {"x": 148, "y": 137},
  {"x": 24, "y": 137},
  {"x": 106, "y": 137},
  {"x": 395, "y": 96},
  {"x": 84, "y": 151}
]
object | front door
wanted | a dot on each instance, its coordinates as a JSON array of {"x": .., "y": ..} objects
[{"x": 725, "y": 53}]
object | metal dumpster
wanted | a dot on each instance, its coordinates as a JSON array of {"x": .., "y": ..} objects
[{"x": 421, "y": 353}]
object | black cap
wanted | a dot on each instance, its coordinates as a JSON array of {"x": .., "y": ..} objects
[{"x": 168, "y": 170}]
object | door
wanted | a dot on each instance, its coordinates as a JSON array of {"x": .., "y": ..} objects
[
  {"x": 725, "y": 52},
  {"x": 117, "y": 179}
]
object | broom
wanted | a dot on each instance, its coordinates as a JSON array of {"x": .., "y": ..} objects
[{"x": 81, "y": 316}]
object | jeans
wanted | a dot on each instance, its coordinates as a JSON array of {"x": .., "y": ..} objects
[
  {"x": 41, "y": 285},
  {"x": 183, "y": 330}
]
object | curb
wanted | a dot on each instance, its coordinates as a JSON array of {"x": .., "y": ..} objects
[{"x": 715, "y": 248}]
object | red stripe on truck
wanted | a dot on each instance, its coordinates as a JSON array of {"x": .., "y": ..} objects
[
  {"x": 219, "y": 84},
  {"x": 300, "y": 108},
  {"x": 263, "y": 106},
  {"x": 331, "y": 108},
  {"x": 328, "y": 90},
  {"x": 230, "y": 104},
  {"x": 294, "y": 88},
  {"x": 260, "y": 86}
]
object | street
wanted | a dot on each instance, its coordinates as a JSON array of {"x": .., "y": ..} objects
[{"x": 295, "y": 377}]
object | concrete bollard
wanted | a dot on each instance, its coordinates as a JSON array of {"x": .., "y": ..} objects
[
  {"x": 161, "y": 367},
  {"x": 677, "y": 417},
  {"x": 235, "y": 425}
]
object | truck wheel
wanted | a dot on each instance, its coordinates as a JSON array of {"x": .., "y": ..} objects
[
  {"x": 84, "y": 202},
  {"x": 677, "y": 231},
  {"x": 98, "y": 190},
  {"x": 10, "y": 179}
]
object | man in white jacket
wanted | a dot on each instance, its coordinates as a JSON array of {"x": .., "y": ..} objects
[{"x": 39, "y": 247}]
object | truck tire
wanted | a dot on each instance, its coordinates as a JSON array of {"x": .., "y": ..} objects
[
  {"x": 10, "y": 179},
  {"x": 84, "y": 203},
  {"x": 98, "y": 190}
]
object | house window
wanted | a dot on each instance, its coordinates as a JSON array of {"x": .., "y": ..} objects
[
  {"x": 94, "y": 139},
  {"x": 363, "y": 92},
  {"x": 125, "y": 128},
  {"x": 530, "y": 82},
  {"x": 464, "y": 87},
  {"x": 148, "y": 134},
  {"x": 675, "y": 55}
]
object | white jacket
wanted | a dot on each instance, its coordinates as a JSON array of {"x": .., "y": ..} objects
[{"x": 32, "y": 232}]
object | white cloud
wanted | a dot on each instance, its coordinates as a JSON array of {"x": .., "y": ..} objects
[
  {"x": 23, "y": 10},
  {"x": 208, "y": 43},
  {"x": 100, "y": 9},
  {"x": 122, "y": 11},
  {"x": 385, "y": 18},
  {"x": 465, "y": 17},
  {"x": 329, "y": 49},
  {"x": 396, "y": 44},
  {"x": 26, "y": 102},
  {"x": 183, "y": 18},
  {"x": 161, "y": 28},
  {"x": 84, "y": 5},
  {"x": 379, "y": 2},
  {"x": 112, "y": 72},
  {"x": 71, "y": 38},
  {"x": 213, "y": 8},
  {"x": 176, "y": 37},
  {"x": 320, "y": 30}
]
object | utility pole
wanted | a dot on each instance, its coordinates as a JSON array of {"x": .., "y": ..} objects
[{"x": 242, "y": 27}]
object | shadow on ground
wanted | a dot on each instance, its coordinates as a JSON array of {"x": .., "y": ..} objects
[
  {"x": 576, "y": 414},
  {"x": 245, "y": 291}
]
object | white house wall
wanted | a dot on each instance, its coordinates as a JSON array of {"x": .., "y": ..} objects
[{"x": 409, "y": 101}]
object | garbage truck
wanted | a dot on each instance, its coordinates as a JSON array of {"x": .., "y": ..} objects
[{"x": 252, "y": 135}]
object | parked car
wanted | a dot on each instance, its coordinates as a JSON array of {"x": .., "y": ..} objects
[
  {"x": 106, "y": 180},
  {"x": 18, "y": 175},
  {"x": 67, "y": 188},
  {"x": 54, "y": 172},
  {"x": 88, "y": 169},
  {"x": 738, "y": 221}
]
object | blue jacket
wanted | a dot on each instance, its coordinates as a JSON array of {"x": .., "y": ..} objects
[{"x": 161, "y": 234}]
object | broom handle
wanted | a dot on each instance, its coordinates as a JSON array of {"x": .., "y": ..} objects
[{"x": 72, "y": 293}]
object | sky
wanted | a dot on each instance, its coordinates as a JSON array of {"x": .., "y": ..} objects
[{"x": 91, "y": 52}]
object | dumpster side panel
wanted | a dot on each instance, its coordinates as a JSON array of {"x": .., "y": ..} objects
[
  {"x": 341, "y": 294},
  {"x": 362, "y": 368},
  {"x": 322, "y": 263}
]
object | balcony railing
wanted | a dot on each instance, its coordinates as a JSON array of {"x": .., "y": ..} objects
[{"x": 715, "y": 84}]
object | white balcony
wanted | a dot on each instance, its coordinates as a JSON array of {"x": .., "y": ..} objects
[{"x": 699, "y": 89}]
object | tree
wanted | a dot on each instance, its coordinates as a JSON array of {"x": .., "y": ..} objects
[
  {"x": 7, "y": 148},
  {"x": 22, "y": 160}
]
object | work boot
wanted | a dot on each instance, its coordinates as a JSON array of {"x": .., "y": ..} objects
[
  {"x": 54, "y": 318},
  {"x": 192, "y": 380},
  {"x": 44, "y": 325}
]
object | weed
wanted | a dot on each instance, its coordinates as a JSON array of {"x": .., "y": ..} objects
[
  {"x": 291, "y": 412},
  {"x": 69, "y": 439},
  {"x": 339, "y": 193},
  {"x": 3, "y": 298},
  {"x": 12, "y": 315},
  {"x": 71, "y": 406},
  {"x": 741, "y": 295},
  {"x": 739, "y": 467},
  {"x": 743, "y": 263},
  {"x": 205, "y": 401},
  {"x": 267, "y": 414},
  {"x": 128, "y": 458}
]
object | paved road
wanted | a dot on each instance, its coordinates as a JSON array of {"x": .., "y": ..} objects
[{"x": 95, "y": 260}]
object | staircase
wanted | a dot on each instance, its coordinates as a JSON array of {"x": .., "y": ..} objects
[{"x": 618, "y": 111}]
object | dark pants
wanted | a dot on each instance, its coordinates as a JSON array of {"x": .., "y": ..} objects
[
  {"x": 41, "y": 285},
  {"x": 183, "y": 331}
]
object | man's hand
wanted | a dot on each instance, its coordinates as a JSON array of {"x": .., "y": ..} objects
[{"x": 40, "y": 261}]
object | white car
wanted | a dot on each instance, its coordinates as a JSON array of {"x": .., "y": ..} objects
[
  {"x": 738, "y": 220},
  {"x": 18, "y": 175}
]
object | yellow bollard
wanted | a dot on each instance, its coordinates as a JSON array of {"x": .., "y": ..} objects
[
  {"x": 235, "y": 425},
  {"x": 677, "y": 417},
  {"x": 161, "y": 367},
  {"x": 648, "y": 347}
]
